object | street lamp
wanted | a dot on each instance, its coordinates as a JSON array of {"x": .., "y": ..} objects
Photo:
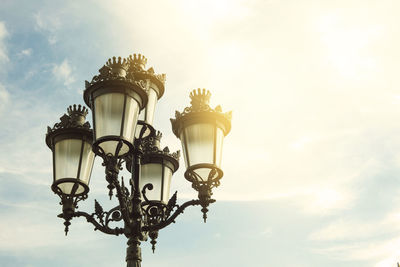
[{"x": 122, "y": 98}]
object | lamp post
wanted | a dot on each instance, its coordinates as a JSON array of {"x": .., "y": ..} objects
[{"x": 122, "y": 99}]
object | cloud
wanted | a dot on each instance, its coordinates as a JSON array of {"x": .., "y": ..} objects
[
  {"x": 359, "y": 239},
  {"x": 63, "y": 72},
  {"x": 48, "y": 24},
  {"x": 4, "y": 97},
  {"x": 25, "y": 52},
  {"x": 351, "y": 229},
  {"x": 383, "y": 253},
  {"x": 3, "y": 35}
]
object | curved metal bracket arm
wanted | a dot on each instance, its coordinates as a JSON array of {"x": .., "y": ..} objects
[
  {"x": 172, "y": 218},
  {"x": 97, "y": 225}
]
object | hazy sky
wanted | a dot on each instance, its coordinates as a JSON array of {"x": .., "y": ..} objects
[{"x": 311, "y": 165}]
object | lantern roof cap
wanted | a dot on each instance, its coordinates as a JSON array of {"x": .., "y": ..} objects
[
  {"x": 73, "y": 120},
  {"x": 151, "y": 145}
]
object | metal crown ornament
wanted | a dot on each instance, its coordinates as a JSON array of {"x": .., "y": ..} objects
[
  {"x": 118, "y": 66},
  {"x": 138, "y": 60},
  {"x": 200, "y": 98}
]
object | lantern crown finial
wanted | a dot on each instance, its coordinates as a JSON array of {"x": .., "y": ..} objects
[
  {"x": 75, "y": 110},
  {"x": 77, "y": 114},
  {"x": 117, "y": 63},
  {"x": 200, "y": 98},
  {"x": 158, "y": 136},
  {"x": 155, "y": 140},
  {"x": 138, "y": 59}
]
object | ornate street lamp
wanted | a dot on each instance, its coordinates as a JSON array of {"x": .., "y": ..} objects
[
  {"x": 122, "y": 99},
  {"x": 71, "y": 143},
  {"x": 202, "y": 131}
]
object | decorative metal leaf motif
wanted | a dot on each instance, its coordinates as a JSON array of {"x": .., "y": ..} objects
[
  {"x": 171, "y": 203},
  {"x": 98, "y": 210}
]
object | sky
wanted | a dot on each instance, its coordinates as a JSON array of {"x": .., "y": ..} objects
[{"x": 311, "y": 165}]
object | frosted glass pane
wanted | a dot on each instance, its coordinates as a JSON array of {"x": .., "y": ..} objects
[
  {"x": 66, "y": 188},
  {"x": 183, "y": 142},
  {"x": 130, "y": 120},
  {"x": 111, "y": 146},
  {"x": 167, "y": 184},
  {"x": 199, "y": 142},
  {"x": 67, "y": 153},
  {"x": 141, "y": 114},
  {"x": 203, "y": 173},
  {"x": 151, "y": 174},
  {"x": 87, "y": 163},
  {"x": 151, "y": 106},
  {"x": 108, "y": 114},
  {"x": 219, "y": 143}
]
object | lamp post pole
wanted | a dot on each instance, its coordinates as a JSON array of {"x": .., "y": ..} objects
[{"x": 122, "y": 98}]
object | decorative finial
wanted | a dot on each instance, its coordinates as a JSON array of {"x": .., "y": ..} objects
[
  {"x": 153, "y": 142},
  {"x": 77, "y": 110},
  {"x": 138, "y": 60},
  {"x": 158, "y": 136},
  {"x": 200, "y": 98},
  {"x": 153, "y": 236},
  {"x": 67, "y": 224},
  {"x": 118, "y": 66},
  {"x": 77, "y": 114}
]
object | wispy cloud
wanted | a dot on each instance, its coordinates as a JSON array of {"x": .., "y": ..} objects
[
  {"x": 3, "y": 35},
  {"x": 25, "y": 52},
  {"x": 63, "y": 72},
  {"x": 351, "y": 229},
  {"x": 384, "y": 253},
  {"x": 360, "y": 239},
  {"x": 4, "y": 98},
  {"x": 47, "y": 24}
]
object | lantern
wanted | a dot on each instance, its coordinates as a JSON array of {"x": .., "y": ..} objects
[
  {"x": 154, "y": 88},
  {"x": 201, "y": 130},
  {"x": 157, "y": 168},
  {"x": 71, "y": 143},
  {"x": 115, "y": 98}
]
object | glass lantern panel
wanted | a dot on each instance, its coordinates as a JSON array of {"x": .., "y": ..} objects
[
  {"x": 198, "y": 144},
  {"x": 67, "y": 187},
  {"x": 203, "y": 173},
  {"x": 108, "y": 114},
  {"x": 167, "y": 184},
  {"x": 151, "y": 106},
  {"x": 66, "y": 155},
  {"x": 219, "y": 140},
  {"x": 111, "y": 147},
  {"x": 151, "y": 173},
  {"x": 130, "y": 119},
  {"x": 87, "y": 163},
  {"x": 142, "y": 114}
]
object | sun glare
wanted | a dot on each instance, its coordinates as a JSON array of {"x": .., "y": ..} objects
[
  {"x": 349, "y": 45},
  {"x": 327, "y": 199}
]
